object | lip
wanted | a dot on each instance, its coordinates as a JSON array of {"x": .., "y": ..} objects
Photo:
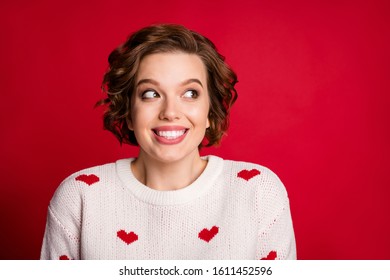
[{"x": 165, "y": 141}]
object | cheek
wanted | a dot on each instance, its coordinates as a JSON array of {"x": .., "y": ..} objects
[
  {"x": 135, "y": 124},
  {"x": 199, "y": 115},
  {"x": 140, "y": 115}
]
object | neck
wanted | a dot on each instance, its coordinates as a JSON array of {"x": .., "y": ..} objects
[{"x": 168, "y": 175}]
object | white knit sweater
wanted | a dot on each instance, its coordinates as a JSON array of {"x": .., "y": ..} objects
[{"x": 234, "y": 210}]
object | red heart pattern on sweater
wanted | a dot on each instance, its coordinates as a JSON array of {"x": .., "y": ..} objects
[
  {"x": 64, "y": 258},
  {"x": 248, "y": 174},
  {"x": 206, "y": 234},
  {"x": 128, "y": 238},
  {"x": 271, "y": 256},
  {"x": 88, "y": 179}
]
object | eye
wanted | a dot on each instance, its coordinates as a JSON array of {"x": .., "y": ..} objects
[
  {"x": 149, "y": 94},
  {"x": 193, "y": 94}
]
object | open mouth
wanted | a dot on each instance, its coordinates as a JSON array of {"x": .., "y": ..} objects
[{"x": 170, "y": 134}]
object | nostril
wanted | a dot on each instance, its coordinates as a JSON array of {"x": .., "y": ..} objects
[{"x": 169, "y": 115}]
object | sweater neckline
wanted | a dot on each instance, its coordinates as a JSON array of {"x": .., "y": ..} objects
[{"x": 172, "y": 197}]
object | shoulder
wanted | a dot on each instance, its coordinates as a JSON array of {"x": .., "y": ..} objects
[
  {"x": 87, "y": 177},
  {"x": 266, "y": 183},
  {"x": 249, "y": 171},
  {"x": 266, "y": 189},
  {"x": 69, "y": 195}
]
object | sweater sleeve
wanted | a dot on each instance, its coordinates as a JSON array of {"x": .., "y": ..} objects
[
  {"x": 276, "y": 239},
  {"x": 58, "y": 242},
  {"x": 62, "y": 234}
]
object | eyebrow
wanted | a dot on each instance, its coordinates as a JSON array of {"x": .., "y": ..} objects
[
  {"x": 189, "y": 81},
  {"x": 151, "y": 81}
]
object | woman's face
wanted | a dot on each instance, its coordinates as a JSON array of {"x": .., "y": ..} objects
[{"x": 170, "y": 106}]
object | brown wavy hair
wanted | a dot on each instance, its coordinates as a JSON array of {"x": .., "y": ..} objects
[{"x": 119, "y": 80}]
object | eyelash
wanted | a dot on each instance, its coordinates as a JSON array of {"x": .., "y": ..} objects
[
  {"x": 156, "y": 95},
  {"x": 195, "y": 93}
]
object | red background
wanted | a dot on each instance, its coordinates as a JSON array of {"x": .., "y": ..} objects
[{"x": 313, "y": 106}]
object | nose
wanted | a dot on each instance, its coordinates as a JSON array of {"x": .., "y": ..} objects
[{"x": 170, "y": 110}]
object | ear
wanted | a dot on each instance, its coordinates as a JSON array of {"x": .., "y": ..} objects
[
  {"x": 129, "y": 123},
  {"x": 207, "y": 123}
]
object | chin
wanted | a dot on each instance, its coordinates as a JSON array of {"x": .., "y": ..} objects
[{"x": 174, "y": 156}]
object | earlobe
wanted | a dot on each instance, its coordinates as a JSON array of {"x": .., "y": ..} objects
[
  {"x": 129, "y": 124},
  {"x": 207, "y": 123}
]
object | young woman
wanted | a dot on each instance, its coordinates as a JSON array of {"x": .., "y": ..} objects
[{"x": 169, "y": 92}]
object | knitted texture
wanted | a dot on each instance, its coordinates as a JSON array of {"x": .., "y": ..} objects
[{"x": 234, "y": 210}]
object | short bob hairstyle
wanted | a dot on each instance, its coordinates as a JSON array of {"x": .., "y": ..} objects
[{"x": 119, "y": 80}]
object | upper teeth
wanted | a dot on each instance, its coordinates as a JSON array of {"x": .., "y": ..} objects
[{"x": 171, "y": 134}]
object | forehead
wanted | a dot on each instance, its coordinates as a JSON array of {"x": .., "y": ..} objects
[{"x": 172, "y": 67}]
